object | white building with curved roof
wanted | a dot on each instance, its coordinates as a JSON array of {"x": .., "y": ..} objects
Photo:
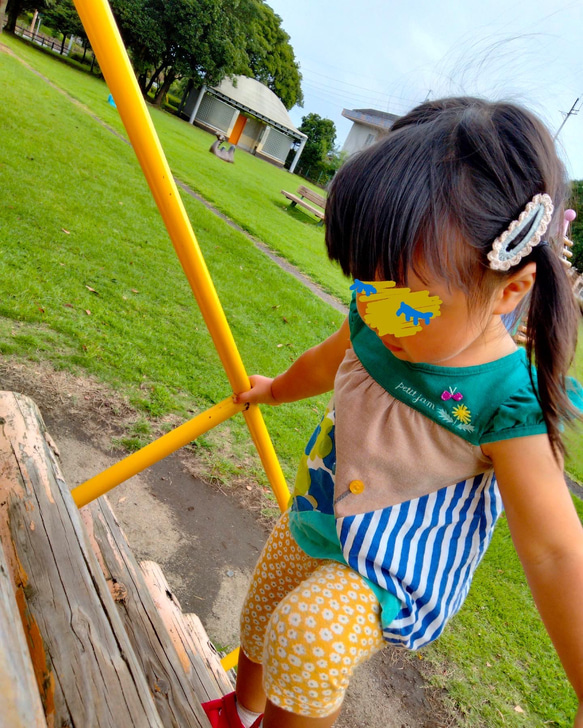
[{"x": 249, "y": 115}]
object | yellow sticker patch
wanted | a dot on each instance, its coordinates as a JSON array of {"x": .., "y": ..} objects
[{"x": 397, "y": 311}]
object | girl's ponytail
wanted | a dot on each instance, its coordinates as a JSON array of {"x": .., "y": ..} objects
[{"x": 552, "y": 337}]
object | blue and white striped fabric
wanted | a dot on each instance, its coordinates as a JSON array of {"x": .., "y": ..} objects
[{"x": 425, "y": 552}]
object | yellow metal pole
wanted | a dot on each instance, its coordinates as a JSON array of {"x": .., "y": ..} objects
[
  {"x": 258, "y": 430},
  {"x": 155, "y": 451},
  {"x": 229, "y": 661},
  {"x": 108, "y": 47}
]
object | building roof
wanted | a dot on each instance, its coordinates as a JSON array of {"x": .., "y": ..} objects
[
  {"x": 252, "y": 96},
  {"x": 371, "y": 117}
]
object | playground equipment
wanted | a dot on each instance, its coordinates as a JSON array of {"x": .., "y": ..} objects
[
  {"x": 114, "y": 62},
  {"x": 227, "y": 154},
  {"x": 87, "y": 636}
]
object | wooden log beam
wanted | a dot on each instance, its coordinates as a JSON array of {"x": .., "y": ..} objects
[
  {"x": 20, "y": 703},
  {"x": 85, "y": 666},
  {"x": 202, "y": 646},
  {"x": 196, "y": 652},
  {"x": 176, "y": 694}
]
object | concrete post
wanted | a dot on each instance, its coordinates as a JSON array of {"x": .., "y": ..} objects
[
  {"x": 300, "y": 150},
  {"x": 201, "y": 93}
]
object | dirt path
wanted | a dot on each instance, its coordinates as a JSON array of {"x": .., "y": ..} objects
[{"x": 207, "y": 541}]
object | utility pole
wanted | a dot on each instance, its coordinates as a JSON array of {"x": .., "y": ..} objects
[{"x": 572, "y": 112}]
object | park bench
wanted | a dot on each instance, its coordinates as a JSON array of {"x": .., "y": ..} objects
[
  {"x": 303, "y": 197},
  {"x": 88, "y": 636}
]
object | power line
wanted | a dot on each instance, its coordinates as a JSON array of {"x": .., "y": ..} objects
[
  {"x": 350, "y": 98},
  {"x": 405, "y": 101},
  {"x": 345, "y": 98},
  {"x": 362, "y": 88}
]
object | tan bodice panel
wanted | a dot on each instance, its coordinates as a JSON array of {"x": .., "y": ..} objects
[{"x": 387, "y": 452}]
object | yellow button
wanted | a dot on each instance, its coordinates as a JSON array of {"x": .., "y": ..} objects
[{"x": 356, "y": 486}]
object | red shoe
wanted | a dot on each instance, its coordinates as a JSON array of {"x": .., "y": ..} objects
[{"x": 222, "y": 713}]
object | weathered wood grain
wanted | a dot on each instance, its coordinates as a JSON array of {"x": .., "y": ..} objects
[
  {"x": 85, "y": 666},
  {"x": 173, "y": 689},
  {"x": 202, "y": 646},
  {"x": 196, "y": 653},
  {"x": 20, "y": 703}
]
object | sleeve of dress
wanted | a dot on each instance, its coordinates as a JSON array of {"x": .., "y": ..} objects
[{"x": 521, "y": 414}]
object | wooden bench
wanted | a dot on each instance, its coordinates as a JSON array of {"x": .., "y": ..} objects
[
  {"x": 88, "y": 637},
  {"x": 303, "y": 197}
]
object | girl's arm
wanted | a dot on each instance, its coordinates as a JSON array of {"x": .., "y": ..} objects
[
  {"x": 548, "y": 537},
  {"x": 311, "y": 374}
]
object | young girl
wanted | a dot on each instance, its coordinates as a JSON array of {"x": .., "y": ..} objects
[{"x": 454, "y": 223}]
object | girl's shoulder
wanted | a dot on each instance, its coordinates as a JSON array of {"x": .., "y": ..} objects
[
  {"x": 521, "y": 413},
  {"x": 484, "y": 403}
]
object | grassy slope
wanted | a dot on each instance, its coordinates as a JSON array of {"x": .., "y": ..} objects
[
  {"x": 62, "y": 171},
  {"x": 496, "y": 655},
  {"x": 239, "y": 190}
]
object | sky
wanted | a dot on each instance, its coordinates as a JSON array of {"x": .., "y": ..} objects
[{"x": 391, "y": 55}]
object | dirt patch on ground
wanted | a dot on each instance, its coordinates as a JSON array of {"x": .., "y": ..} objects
[{"x": 206, "y": 540}]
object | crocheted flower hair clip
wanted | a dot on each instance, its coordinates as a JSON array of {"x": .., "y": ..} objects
[{"x": 535, "y": 219}]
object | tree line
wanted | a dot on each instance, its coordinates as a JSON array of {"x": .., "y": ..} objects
[{"x": 202, "y": 41}]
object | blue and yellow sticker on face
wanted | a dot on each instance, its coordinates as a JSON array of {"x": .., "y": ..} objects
[{"x": 393, "y": 310}]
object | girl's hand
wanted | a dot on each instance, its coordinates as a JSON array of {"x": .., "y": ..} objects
[{"x": 260, "y": 392}]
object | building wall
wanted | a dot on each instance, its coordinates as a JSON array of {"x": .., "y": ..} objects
[
  {"x": 360, "y": 137},
  {"x": 275, "y": 145},
  {"x": 257, "y": 137},
  {"x": 217, "y": 115},
  {"x": 251, "y": 134}
]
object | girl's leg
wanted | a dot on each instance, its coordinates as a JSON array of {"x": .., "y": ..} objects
[
  {"x": 249, "y": 688},
  {"x": 278, "y": 718},
  {"x": 281, "y": 567},
  {"x": 316, "y": 636}
]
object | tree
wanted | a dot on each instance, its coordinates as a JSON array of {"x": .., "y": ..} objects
[
  {"x": 198, "y": 39},
  {"x": 321, "y": 135},
  {"x": 270, "y": 57},
  {"x": 15, "y": 8},
  {"x": 206, "y": 40},
  {"x": 63, "y": 17},
  {"x": 577, "y": 225},
  {"x": 139, "y": 28}
]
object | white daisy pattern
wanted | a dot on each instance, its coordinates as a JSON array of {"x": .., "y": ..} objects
[{"x": 309, "y": 622}]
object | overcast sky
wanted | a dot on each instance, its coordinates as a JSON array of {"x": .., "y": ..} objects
[{"x": 390, "y": 55}]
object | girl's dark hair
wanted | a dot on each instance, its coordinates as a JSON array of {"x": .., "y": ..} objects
[{"x": 434, "y": 194}]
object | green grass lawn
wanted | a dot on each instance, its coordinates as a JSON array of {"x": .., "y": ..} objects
[
  {"x": 77, "y": 215},
  {"x": 89, "y": 282},
  {"x": 496, "y": 655},
  {"x": 239, "y": 190}
]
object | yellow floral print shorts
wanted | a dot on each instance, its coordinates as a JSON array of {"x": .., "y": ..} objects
[{"x": 309, "y": 622}]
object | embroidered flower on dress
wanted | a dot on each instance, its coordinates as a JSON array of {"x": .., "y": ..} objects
[{"x": 462, "y": 413}]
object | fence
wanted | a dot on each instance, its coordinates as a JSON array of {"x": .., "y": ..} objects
[{"x": 43, "y": 40}]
